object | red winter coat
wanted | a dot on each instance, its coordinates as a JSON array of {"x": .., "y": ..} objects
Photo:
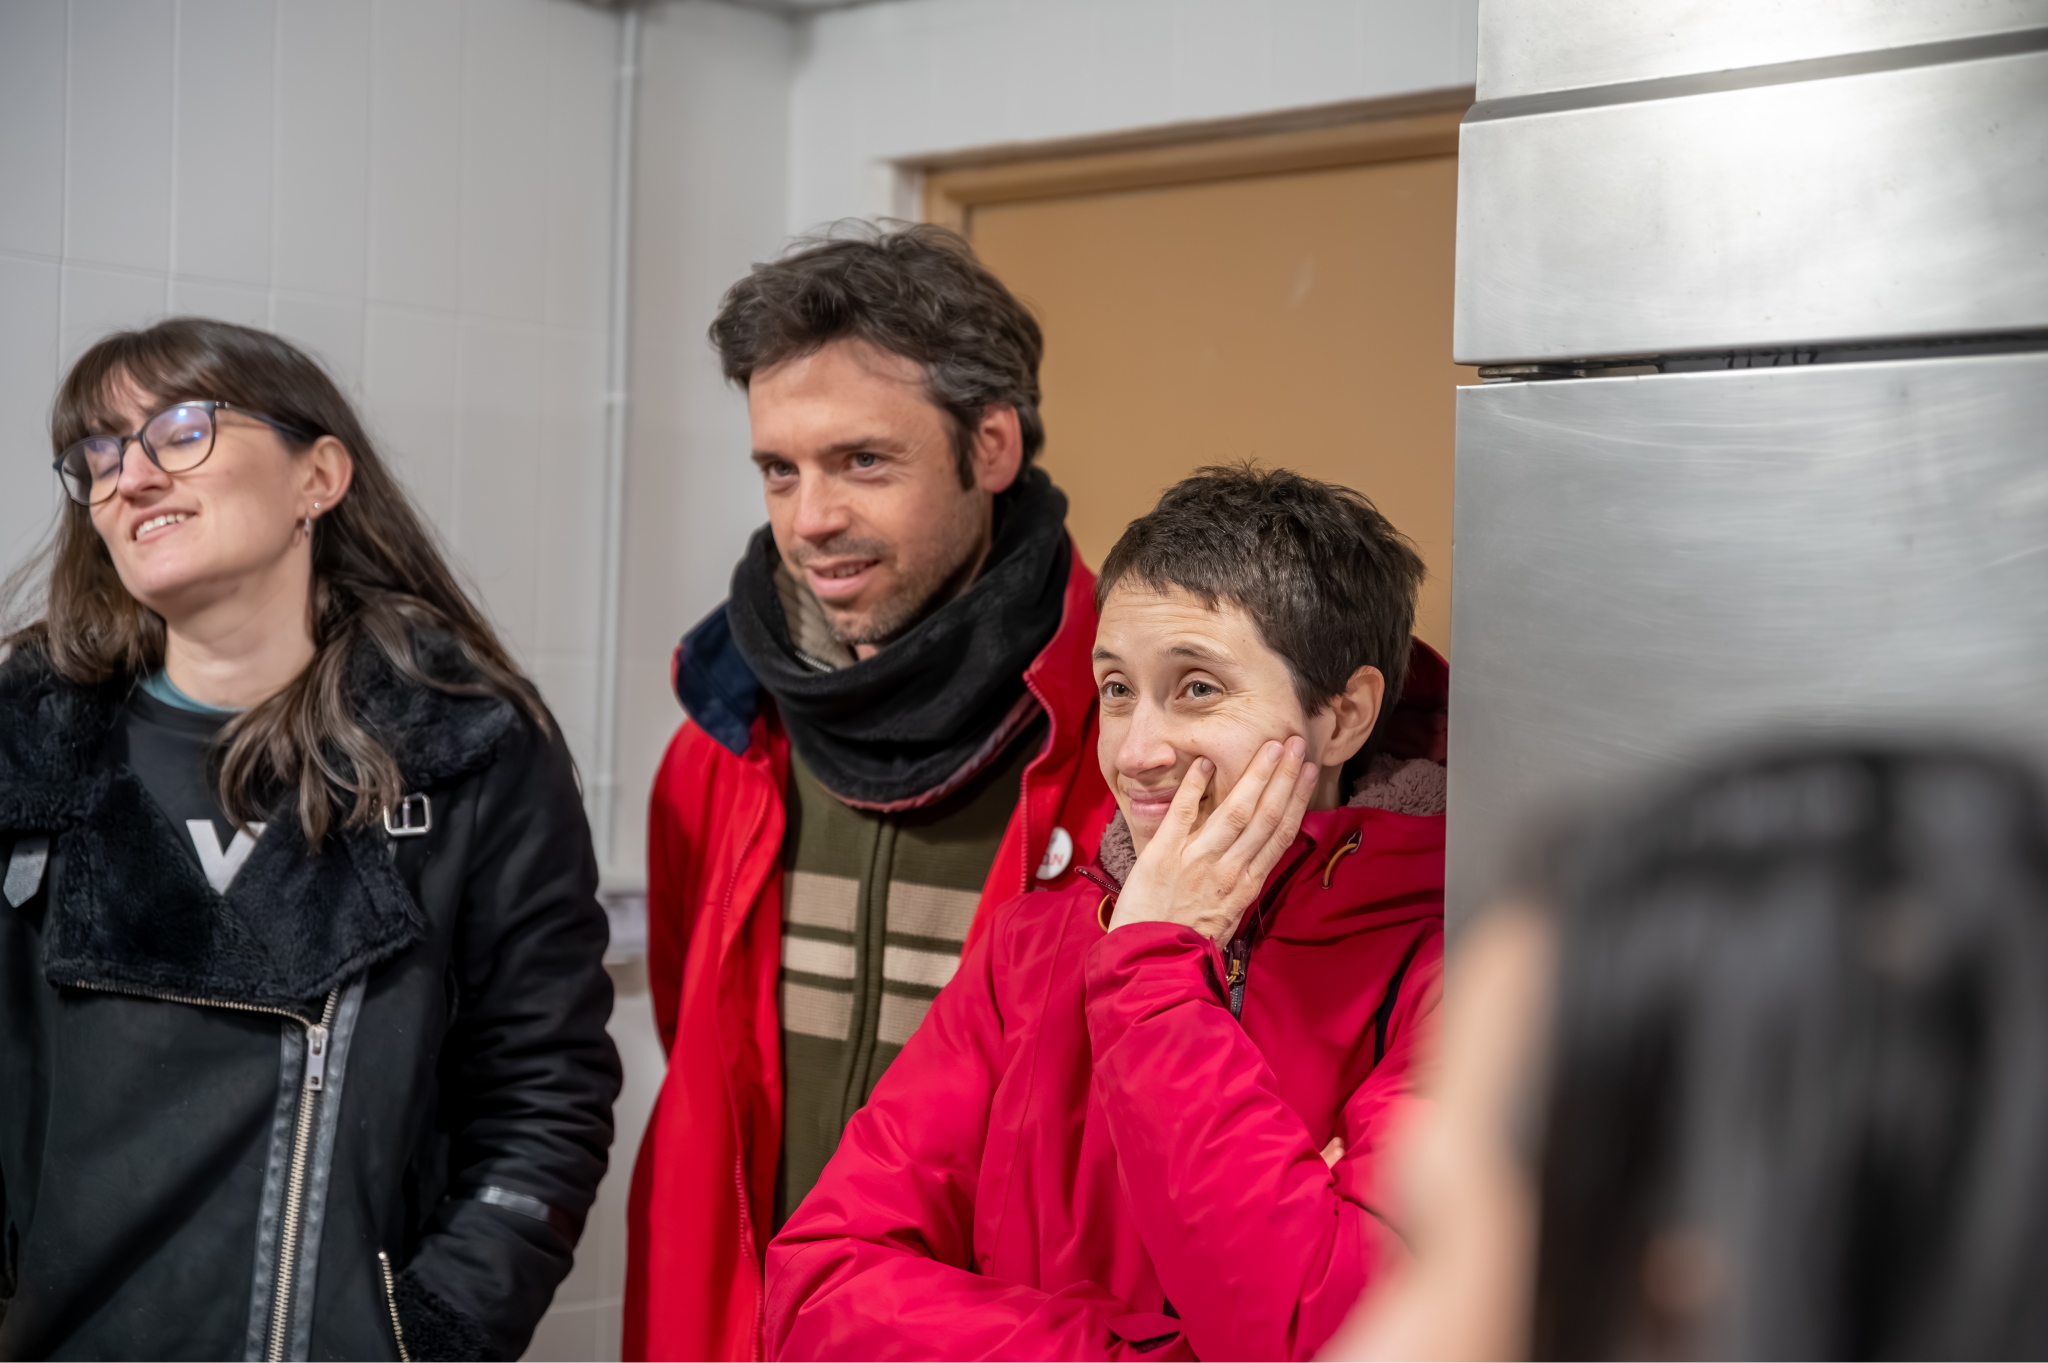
[
  {"x": 1081, "y": 1132},
  {"x": 705, "y": 1181}
]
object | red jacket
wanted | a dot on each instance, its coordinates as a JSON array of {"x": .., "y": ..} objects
[
  {"x": 1081, "y": 1132},
  {"x": 705, "y": 1180}
]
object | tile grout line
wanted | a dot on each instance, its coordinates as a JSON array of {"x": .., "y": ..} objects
[
  {"x": 369, "y": 207},
  {"x": 362, "y": 299},
  {"x": 64, "y": 210},
  {"x": 455, "y": 441},
  {"x": 177, "y": 86},
  {"x": 276, "y": 157}
]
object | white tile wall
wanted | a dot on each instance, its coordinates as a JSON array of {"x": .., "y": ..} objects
[
  {"x": 32, "y": 69},
  {"x": 419, "y": 193},
  {"x": 416, "y": 191},
  {"x": 708, "y": 202},
  {"x": 29, "y": 292},
  {"x": 122, "y": 79},
  {"x": 416, "y": 153},
  {"x": 322, "y": 146},
  {"x": 504, "y": 139},
  {"x": 224, "y": 156}
]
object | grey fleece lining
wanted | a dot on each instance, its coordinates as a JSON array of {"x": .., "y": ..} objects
[
  {"x": 1414, "y": 786},
  {"x": 809, "y": 627}
]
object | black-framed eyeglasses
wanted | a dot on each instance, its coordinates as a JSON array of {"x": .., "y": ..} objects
[{"x": 177, "y": 440}]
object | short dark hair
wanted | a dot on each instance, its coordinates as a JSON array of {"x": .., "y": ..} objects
[
  {"x": 1328, "y": 580},
  {"x": 915, "y": 290}
]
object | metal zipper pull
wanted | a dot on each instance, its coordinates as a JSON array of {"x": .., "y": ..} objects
[
  {"x": 1237, "y": 959},
  {"x": 316, "y": 1057}
]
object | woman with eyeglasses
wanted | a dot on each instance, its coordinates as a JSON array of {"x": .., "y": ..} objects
[{"x": 302, "y": 1004}]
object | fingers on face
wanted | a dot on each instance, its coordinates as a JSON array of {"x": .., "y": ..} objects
[
  {"x": 1187, "y": 800},
  {"x": 1234, "y": 811},
  {"x": 1282, "y": 785},
  {"x": 1257, "y": 808}
]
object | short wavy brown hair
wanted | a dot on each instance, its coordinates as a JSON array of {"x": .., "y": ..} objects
[
  {"x": 914, "y": 290},
  {"x": 1328, "y": 580}
]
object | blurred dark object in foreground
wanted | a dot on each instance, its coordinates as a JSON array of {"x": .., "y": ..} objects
[{"x": 1798, "y": 1096}]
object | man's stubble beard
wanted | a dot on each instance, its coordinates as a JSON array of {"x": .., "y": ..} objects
[{"x": 919, "y": 597}]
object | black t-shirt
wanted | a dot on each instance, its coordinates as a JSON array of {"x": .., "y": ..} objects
[{"x": 167, "y": 749}]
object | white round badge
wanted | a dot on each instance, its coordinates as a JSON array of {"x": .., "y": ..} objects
[{"x": 1059, "y": 853}]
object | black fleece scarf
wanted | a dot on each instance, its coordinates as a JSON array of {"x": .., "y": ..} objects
[{"x": 906, "y": 727}]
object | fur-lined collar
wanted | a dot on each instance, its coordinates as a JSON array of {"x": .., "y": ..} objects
[{"x": 130, "y": 910}]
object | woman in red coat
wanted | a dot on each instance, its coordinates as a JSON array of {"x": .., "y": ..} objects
[{"x": 1146, "y": 1115}]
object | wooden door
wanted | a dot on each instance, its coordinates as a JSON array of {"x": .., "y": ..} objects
[{"x": 1300, "y": 317}]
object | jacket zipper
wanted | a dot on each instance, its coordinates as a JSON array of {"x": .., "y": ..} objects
[
  {"x": 739, "y": 1160},
  {"x": 1237, "y": 960},
  {"x": 295, "y": 1185},
  {"x": 391, "y": 1305},
  {"x": 1237, "y": 955}
]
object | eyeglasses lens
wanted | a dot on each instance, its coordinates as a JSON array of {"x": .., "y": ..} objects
[
  {"x": 180, "y": 437},
  {"x": 91, "y": 468}
]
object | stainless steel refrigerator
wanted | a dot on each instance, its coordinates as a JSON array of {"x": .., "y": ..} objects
[{"x": 1760, "y": 289}]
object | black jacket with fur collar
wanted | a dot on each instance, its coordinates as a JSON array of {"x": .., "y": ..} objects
[{"x": 357, "y": 1106}]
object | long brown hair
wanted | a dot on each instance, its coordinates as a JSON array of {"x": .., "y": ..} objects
[{"x": 378, "y": 577}]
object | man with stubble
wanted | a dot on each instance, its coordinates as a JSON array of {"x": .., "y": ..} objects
[{"x": 891, "y": 729}]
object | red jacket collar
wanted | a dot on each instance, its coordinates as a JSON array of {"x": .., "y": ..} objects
[{"x": 1062, "y": 676}]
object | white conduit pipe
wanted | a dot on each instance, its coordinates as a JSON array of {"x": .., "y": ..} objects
[{"x": 625, "y": 117}]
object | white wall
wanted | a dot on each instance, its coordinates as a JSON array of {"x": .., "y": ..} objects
[
  {"x": 417, "y": 191},
  {"x": 920, "y": 76},
  {"x": 708, "y": 202}
]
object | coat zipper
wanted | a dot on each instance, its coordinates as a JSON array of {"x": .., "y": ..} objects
[
  {"x": 309, "y": 1093},
  {"x": 295, "y": 1183},
  {"x": 1237, "y": 955},
  {"x": 739, "y": 1160},
  {"x": 1237, "y": 960},
  {"x": 391, "y": 1305}
]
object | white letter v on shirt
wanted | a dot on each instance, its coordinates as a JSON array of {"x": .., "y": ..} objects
[{"x": 220, "y": 867}]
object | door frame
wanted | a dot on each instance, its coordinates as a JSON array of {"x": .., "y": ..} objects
[{"x": 1356, "y": 132}]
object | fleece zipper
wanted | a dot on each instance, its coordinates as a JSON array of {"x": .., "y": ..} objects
[{"x": 310, "y": 1088}]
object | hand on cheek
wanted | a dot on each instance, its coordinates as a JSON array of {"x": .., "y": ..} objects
[{"x": 1206, "y": 878}]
